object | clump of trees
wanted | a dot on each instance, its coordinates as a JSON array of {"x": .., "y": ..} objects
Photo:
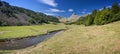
[{"x": 101, "y": 17}]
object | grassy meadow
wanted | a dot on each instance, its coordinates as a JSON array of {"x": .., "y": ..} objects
[
  {"x": 80, "y": 39},
  {"x": 25, "y": 31}
]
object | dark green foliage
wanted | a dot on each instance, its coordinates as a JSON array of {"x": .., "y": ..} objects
[
  {"x": 3, "y": 23},
  {"x": 105, "y": 16},
  {"x": 7, "y": 11},
  {"x": 115, "y": 8},
  {"x": 116, "y": 17},
  {"x": 19, "y": 24},
  {"x": 89, "y": 20}
]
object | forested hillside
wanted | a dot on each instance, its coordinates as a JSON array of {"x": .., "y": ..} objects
[
  {"x": 101, "y": 17},
  {"x": 13, "y": 16}
]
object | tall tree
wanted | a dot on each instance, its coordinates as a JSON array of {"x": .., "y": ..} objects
[
  {"x": 89, "y": 20},
  {"x": 115, "y": 8}
]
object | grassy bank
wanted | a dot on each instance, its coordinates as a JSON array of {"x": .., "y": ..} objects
[
  {"x": 25, "y": 31},
  {"x": 81, "y": 40}
]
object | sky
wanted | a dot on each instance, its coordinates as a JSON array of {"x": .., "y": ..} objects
[{"x": 62, "y": 8}]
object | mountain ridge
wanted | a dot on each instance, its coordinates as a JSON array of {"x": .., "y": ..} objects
[{"x": 13, "y": 15}]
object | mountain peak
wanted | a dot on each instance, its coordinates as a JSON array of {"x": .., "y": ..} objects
[{"x": 73, "y": 13}]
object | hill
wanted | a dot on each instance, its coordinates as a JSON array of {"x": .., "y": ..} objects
[
  {"x": 12, "y": 15},
  {"x": 101, "y": 17}
]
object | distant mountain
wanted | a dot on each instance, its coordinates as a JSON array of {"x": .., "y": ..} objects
[
  {"x": 62, "y": 19},
  {"x": 72, "y": 18},
  {"x": 13, "y": 16}
]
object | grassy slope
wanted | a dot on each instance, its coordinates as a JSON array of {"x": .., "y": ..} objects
[
  {"x": 81, "y": 40},
  {"x": 23, "y": 31}
]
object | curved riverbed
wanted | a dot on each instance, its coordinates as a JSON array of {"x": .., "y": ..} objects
[{"x": 25, "y": 42}]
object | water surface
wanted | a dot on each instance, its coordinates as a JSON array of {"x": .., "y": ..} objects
[{"x": 25, "y": 42}]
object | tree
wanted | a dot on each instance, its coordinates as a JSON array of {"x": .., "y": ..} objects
[
  {"x": 89, "y": 20},
  {"x": 96, "y": 19},
  {"x": 115, "y": 8},
  {"x": 116, "y": 17}
]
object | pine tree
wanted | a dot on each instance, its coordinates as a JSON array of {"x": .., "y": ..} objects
[
  {"x": 105, "y": 16},
  {"x": 115, "y": 8},
  {"x": 89, "y": 20}
]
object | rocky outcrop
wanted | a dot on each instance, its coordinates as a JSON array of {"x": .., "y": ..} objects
[{"x": 72, "y": 18}]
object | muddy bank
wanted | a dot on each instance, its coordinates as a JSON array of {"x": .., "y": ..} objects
[{"x": 21, "y": 43}]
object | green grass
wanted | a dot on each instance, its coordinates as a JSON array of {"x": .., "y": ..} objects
[
  {"x": 80, "y": 39},
  {"x": 103, "y": 39},
  {"x": 5, "y": 52},
  {"x": 24, "y": 31}
]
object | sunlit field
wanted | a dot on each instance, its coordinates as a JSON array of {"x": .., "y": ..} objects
[
  {"x": 60, "y": 27},
  {"x": 25, "y": 31},
  {"x": 81, "y": 40}
]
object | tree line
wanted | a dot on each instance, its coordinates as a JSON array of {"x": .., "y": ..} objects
[{"x": 101, "y": 17}]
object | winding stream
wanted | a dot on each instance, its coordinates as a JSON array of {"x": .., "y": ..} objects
[{"x": 25, "y": 42}]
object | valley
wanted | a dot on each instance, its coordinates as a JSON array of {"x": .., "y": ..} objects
[
  {"x": 59, "y": 27},
  {"x": 80, "y": 39}
]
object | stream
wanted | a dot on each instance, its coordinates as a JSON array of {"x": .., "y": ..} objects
[{"x": 26, "y": 42}]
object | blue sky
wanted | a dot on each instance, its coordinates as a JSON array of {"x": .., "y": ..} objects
[{"x": 62, "y": 8}]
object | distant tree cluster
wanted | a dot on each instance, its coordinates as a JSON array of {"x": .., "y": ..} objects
[
  {"x": 7, "y": 11},
  {"x": 101, "y": 17}
]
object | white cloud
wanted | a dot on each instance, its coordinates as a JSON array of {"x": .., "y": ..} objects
[
  {"x": 50, "y": 14},
  {"x": 70, "y": 10},
  {"x": 49, "y": 2},
  {"x": 88, "y": 12},
  {"x": 100, "y": 9},
  {"x": 55, "y": 10},
  {"x": 106, "y": 7}
]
